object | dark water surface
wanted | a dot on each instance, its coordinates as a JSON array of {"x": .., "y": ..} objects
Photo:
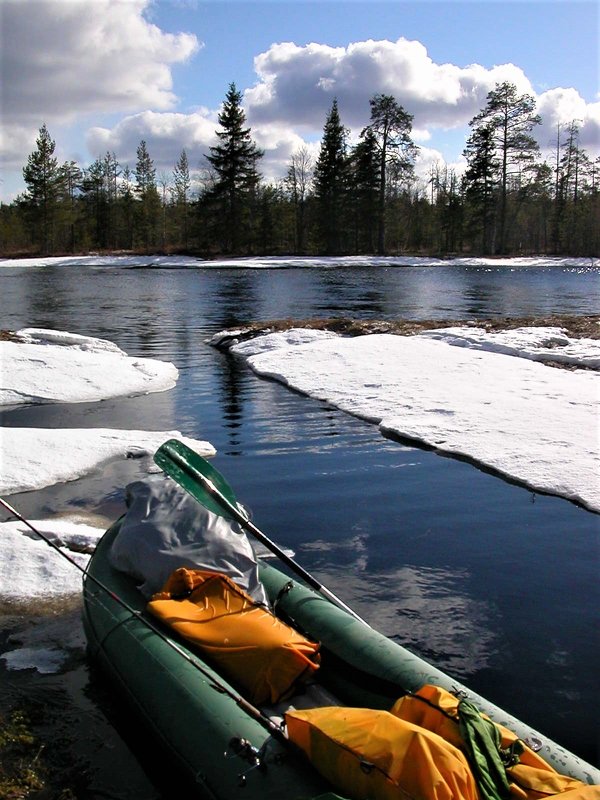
[{"x": 493, "y": 583}]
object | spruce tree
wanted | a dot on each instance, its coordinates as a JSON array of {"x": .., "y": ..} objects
[
  {"x": 96, "y": 203},
  {"x": 181, "y": 191},
  {"x": 234, "y": 160},
  {"x": 331, "y": 182},
  {"x": 481, "y": 182},
  {"x": 70, "y": 184},
  {"x": 43, "y": 179},
  {"x": 112, "y": 173},
  {"x": 126, "y": 205},
  {"x": 364, "y": 180}
]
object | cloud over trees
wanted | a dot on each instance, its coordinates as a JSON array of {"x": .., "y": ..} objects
[
  {"x": 298, "y": 83},
  {"x": 105, "y": 65},
  {"x": 64, "y": 60}
]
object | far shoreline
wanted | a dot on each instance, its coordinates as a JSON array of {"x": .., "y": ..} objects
[{"x": 577, "y": 326}]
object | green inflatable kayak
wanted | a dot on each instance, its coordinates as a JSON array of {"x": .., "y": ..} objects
[{"x": 228, "y": 746}]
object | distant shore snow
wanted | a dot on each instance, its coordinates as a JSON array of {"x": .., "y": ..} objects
[{"x": 295, "y": 262}]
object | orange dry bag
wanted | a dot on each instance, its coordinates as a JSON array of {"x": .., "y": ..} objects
[{"x": 244, "y": 640}]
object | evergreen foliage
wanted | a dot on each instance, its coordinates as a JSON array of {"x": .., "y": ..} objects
[
  {"x": 43, "y": 180},
  {"x": 331, "y": 183},
  {"x": 509, "y": 119},
  {"x": 181, "y": 196},
  {"x": 365, "y": 172},
  {"x": 148, "y": 207},
  {"x": 362, "y": 198},
  {"x": 482, "y": 181},
  {"x": 390, "y": 129},
  {"x": 234, "y": 160}
]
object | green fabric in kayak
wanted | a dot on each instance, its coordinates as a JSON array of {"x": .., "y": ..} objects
[{"x": 488, "y": 759}]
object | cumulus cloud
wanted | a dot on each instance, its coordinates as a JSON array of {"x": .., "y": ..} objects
[
  {"x": 558, "y": 108},
  {"x": 166, "y": 135},
  {"x": 62, "y": 59},
  {"x": 431, "y": 161},
  {"x": 288, "y": 105},
  {"x": 297, "y": 84},
  {"x": 279, "y": 143}
]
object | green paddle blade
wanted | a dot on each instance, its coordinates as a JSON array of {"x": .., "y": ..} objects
[{"x": 191, "y": 471}]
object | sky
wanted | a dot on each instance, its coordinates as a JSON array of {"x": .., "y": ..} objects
[{"x": 105, "y": 74}]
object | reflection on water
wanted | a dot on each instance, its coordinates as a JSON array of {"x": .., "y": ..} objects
[
  {"x": 427, "y": 610},
  {"x": 490, "y": 582}
]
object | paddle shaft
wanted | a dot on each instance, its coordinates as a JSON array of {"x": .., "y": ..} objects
[
  {"x": 254, "y": 712},
  {"x": 183, "y": 464}
]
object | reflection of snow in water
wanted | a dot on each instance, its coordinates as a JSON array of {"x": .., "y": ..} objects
[
  {"x": 283, "y": 262},
  {"x": 46, "y": 643}
]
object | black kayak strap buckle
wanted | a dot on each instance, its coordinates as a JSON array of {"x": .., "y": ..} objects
[{"x": 282, "y": 593}]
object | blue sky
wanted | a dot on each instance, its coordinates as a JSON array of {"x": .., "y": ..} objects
[
  {"x": 103, "y": 74},
  {"x": 555, "y": 43}
]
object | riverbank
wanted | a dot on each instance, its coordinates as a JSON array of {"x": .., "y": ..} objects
[{"x": 576, "y": 327}]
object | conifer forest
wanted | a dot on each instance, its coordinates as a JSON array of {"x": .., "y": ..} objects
[{"x": 351, "y": 198}]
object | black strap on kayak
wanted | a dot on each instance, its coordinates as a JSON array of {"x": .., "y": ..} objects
[{"x": 240, "y": 701}]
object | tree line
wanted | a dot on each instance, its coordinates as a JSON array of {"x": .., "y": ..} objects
[{"x": 363, "y": 198}]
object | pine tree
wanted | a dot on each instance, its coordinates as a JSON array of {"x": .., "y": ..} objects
[
  {"x": 511, "y": 118},
  {"x": 43, "y": 179},
  {"x": 70, "y": 186},
  {"x": 234, "y": 161},
  {"x": 112, "y": 172},
  {"x": 96, "y": 203},
  {"x": 331, "y": 182},
  {"x": 126, "y": 204},
  {"x": 391, "y": 127},
  {"x": 447, "y": 206},
  {"x": 535, "y": 227}
]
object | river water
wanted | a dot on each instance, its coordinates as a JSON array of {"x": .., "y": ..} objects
[{"x": 493, "y": 583}]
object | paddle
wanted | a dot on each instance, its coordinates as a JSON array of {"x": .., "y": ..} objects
[{"x": 200, "y": 479}]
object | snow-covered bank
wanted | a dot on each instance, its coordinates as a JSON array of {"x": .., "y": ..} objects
[
  {"x": 32, "y": 570},
  {"x": 32, "y": 458},
  {"x": 530, "y": 422},
  {"x": 550, "y": 345},
  {"x": 55, "y": 366},
  {"x": 283, "y": 262}
]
